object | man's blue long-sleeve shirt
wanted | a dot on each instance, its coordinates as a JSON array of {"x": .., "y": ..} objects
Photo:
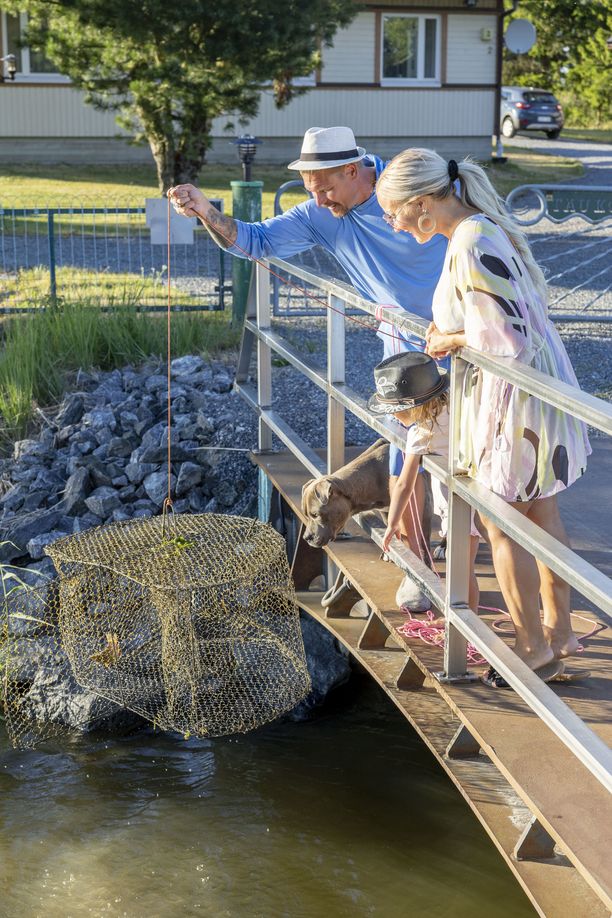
[{"x": 385, "y": 267}]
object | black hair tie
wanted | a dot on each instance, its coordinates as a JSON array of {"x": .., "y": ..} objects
[{"x": 453, "y": 170}]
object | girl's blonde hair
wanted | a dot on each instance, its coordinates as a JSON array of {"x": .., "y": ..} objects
[
  {"x": 424, "y": 414},
  {"x": 418, "y": 172}
]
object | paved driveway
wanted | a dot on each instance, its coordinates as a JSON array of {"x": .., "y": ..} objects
[{"x": 596, "y": 157}]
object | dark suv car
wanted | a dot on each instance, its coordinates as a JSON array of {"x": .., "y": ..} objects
[{"x": 526, "y": 109}]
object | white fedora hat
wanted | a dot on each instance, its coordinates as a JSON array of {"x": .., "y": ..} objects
[{"x": 324, "y": 148}]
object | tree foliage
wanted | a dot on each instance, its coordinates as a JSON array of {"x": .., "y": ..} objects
[
  {"x": 570, "y": 55},
  {"x": 169, "y": 70}
]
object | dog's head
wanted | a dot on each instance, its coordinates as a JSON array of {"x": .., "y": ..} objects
[{"x": 326, "y": 509}]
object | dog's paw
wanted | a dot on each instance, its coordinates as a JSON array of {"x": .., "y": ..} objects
[{"x": 439, "y": 553}]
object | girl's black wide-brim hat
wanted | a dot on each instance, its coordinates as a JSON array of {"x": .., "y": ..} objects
[{"x": 406, "y": 380}]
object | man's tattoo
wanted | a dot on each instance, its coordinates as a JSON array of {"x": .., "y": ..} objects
[{"x": 222, "y": 229}]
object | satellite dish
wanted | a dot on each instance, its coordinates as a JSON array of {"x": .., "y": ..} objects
[{"x": 520, "y": 36}]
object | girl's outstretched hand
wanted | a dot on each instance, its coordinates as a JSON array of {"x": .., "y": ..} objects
[{"x": 390, "y": 531}]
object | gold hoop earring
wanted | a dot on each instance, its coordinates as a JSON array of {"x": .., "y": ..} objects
[{"x": 426, "y": 227}]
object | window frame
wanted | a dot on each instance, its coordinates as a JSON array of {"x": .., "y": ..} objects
[
  {"x": 25, "y": 75},
  {"x": 420, "y": 79}
]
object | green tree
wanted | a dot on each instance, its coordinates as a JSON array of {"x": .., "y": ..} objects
[
  {"x": 590, "y": 77},
  {"x": 563, "y": 29},
  {"x": 169, "y": 69}
]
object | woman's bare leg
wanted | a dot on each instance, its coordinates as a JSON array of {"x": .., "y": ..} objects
[
  {"x": 519, "y": 581},
  {"x": 555, "y": 592}
]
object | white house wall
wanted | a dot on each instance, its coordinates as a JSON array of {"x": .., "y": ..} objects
[
  {"x": 383, "y": 112},
  {"x": 51, "y": 111},
  {"x": 470, "y": 59},
  {"x": 352, "y": 57}
]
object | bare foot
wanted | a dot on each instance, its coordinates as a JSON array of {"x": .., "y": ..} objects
[
  {"x": 535, "y": 658},
  {"x": 562, "y": 646}
]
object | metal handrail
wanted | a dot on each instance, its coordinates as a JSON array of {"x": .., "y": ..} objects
[
  {"x": 462, "y": 623},
  {"x": 539, "y": 190}
]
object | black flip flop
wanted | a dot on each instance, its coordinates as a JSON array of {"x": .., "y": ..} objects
[
  {"x": 493, "y": 679},
  {"x": 550, "y": 672}
]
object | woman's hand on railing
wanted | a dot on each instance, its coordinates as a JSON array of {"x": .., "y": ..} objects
[{"x": 439, "y": 344}]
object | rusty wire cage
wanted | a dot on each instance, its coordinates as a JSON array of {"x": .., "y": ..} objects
[{"x": 191, "y": 622}]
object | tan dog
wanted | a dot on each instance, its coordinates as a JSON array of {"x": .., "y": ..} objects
[{"x": 328, "y": 502}]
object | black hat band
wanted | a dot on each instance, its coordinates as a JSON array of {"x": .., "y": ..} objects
[{"x": 324, "y": 157}]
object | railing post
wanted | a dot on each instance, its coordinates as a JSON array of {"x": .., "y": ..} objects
[
  {"x": 51, "y": 241},
  {"x": 458, "y": 550},
  {"x": 336, "y": 361},
  {"x": 336, "y": 366},
  {"x": 264, "y": 384}
]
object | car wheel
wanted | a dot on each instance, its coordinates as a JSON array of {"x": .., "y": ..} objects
[
  {"x": 552, "y": 135},
  {"x": 508, "y": 129}
]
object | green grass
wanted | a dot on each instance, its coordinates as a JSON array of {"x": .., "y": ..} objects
[
  {"x": 598, "y": 135},
  {"x": 41, "y": 350},
  {"x": 526, "y": 168},
  {"x": 30, "y": 287},
  {"x": 124, "y": 186},
  {"x": 110, "y": 186}
]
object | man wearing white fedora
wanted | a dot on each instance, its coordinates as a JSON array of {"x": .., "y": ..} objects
[{"x": 344, "y": 217}]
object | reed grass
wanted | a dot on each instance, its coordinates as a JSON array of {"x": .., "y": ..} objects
[{"x": 42, "y": 349}]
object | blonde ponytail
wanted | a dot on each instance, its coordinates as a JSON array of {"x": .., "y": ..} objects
[{"x": 418, "y": 172}]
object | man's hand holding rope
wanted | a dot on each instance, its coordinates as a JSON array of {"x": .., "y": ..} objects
[{"x": 189, "y": 201}]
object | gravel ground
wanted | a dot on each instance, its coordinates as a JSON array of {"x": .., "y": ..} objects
[{"x": 303, "y": 405}]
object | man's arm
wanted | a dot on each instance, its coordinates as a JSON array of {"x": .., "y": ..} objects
[
  {"x": 281, "y": 236},
  {"x": 189, "y": 201}
]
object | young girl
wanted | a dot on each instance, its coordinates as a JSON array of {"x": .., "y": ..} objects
[
  {"x": 492, "y": 297},
  {"x": 413, "y": 389}
]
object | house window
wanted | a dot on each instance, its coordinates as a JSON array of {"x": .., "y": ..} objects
[
  {"x": 410, "y": 49},
  {"x": 30, "y": 62}
]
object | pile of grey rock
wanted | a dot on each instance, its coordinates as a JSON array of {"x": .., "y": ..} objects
[{"x": 103, "y": 458}]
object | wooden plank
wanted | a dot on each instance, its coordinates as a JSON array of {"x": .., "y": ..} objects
[
  {"x": 567, "y": 800},
  {"x": 553, "y": 887}
]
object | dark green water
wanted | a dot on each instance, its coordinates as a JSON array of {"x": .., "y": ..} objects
[{"x": 347, "y": 815}]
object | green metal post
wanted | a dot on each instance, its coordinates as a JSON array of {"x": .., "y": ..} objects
[
  {"x": 246, "y": 206},
  {"x": 51, "y": 241}
]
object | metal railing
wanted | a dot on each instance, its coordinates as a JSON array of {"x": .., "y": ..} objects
[
  {"x": 50, "y": 255},
  {"x": 578, "y": 263},
  {"x": 462, "y": 624}
]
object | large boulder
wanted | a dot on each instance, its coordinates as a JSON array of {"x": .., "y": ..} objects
[
  {"x": 16, "y": 533},
  {"x": 328, "y": 664}
]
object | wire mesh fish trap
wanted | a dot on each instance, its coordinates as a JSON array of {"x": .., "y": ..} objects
[{"x": 194, "y": 626}]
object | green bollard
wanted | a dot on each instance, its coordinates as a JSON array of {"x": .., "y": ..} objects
[{"x": 246, "y": 206}]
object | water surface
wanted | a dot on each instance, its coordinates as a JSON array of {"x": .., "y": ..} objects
[{"x": 346, "y": 815}]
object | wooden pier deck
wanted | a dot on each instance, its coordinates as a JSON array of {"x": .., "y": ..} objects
[{"x": 510, "y": 767}]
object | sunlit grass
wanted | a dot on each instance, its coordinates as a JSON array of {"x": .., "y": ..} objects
[
  {"x": 30, "y": 287},
  {"x": 595, "y": 135},
  {"x": 523, "y": 167},
  {"x": 124, "y": 186}
]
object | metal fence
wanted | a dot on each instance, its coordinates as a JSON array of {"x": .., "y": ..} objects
[
  {"x": 570, "y": 230},
  {"x": 102, "y": 256},
  {"x": 462, "y": 624}
]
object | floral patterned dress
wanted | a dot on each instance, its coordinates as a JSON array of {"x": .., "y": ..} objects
[{"x": 515, "y": 444}]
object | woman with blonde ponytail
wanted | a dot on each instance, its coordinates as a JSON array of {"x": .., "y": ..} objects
[{"x": 492, "y": 297}]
